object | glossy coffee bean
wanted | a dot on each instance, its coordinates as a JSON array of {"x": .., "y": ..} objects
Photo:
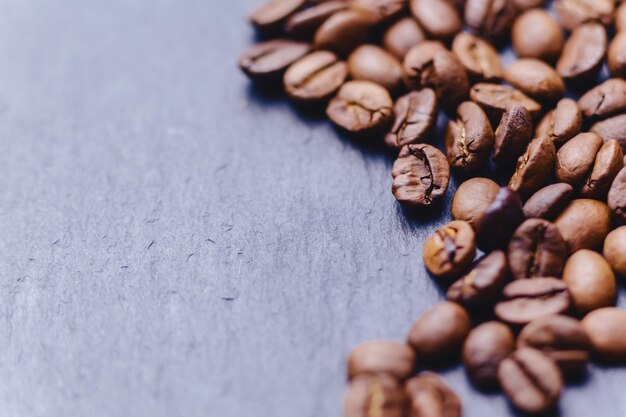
[
  {"x": 271, "y": 16},
  {"x": 605, "y": 328},
  {"x": 512, "y": 135},
  {"x": 531, "y": 381},
  {"x": 620, "y": 17},
  {"x": 536, "y": 79},
  {"x": 305, "y": 23},
  {"x": 615, "y": 250},
  {"x": 373, "y": 63},
  {"x": 479, "y": 58},
  {"x": 536, "y": 250},
  {"x": 584, "y": 224},
  {"x": 490, "y": 19},
  {"x": 617, "y": 196},
  {"x": 573, "y": 13},
  {"x": 415, "y": 118},
  {"x": 562, "y": 123},
  {"x": 402, "y": 36},
  {"x": 616, "y": 55},
  {"x": 469, "y": 139},
  {"x": 268, "y": 61},
  {"x": 420, "y": 175},
  {"x": 583, "y": 53},
  {"x": 608, "y": 162},
  {"x": 380, "y": 395},
  {"x": 438, "y": 18},
  {"x": 605, "y": 100},
  {"x": 485, "y": 348},
  {"x": 525, "y": 300},
  {"x": 382, "y": 357},
  {"x": 613, "y": 128},
  {"x": 315, "y": 78},
  {"x": 380, "y": 10},
  {"x": 472, "y": 199},
  {"x": 548, "y": 202},
  {"x": 575, "y": 159},
  {"x": 534, "y": 166},
  {"x": 535, "y": 34},
  {"x": 342, "y": 32},
  {"x": 449, "y": 251},
  {"x": 590, "y": 281},
  {"x": 496, "y": 98},
  {"x": 496, "y": 225},
  {"x": 361, "y": 107},
  {"x": 430, "y": 396},
  {"x": 483, "y": 284}
]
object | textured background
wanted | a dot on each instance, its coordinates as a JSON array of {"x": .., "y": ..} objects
[{"x": 175, "y": 243}]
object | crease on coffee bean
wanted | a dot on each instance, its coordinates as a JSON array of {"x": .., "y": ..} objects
[
  {"x": 414, "y": 107},
  {"x": 352, "y": 105},
  {"x": 533, "y": 265},
  {"x": 421, "y": 155},
  {"x": 536, "y": 380},
  {"x": 377, "y": 400},
  {"x": 314, "y": 74}
]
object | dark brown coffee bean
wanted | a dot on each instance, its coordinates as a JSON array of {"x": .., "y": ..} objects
[
  {"x": 483, "y": 284},
  {"x": 496, "y": 98},
  {"x": 525, "y": 300},
  {"x": 584, "y": 224},
  {"x": 375, "y": 395},
  {"x": 361, "y": 107},
  {"x": 548, "y": 202},
  {"x": 575, "y": 159},
  {"x": 498, "y": 222},
  {"x": 416, "y": 115},
  {"x": 512, "y": 135},
  {"x": 380, "y": 10},
  {"x": 478, "y": 57},
  {"x": 609, "y": 161},
  {"x": 615, "y": 250},
  {"x": 449, "y": 251},
  {"x": 616, "y": 56},
  {"x": 268, "y": 61},
  {"x": 530, "y": 380},
  {"x": 613, "y": 128},
  {"x": 562, "y": 123},
  {"x": 605, "y": 100},
  {"x": 271, "y": 16},
  {"x": 373, "y": 63},
  {"x": 315, "y": 78},
  {"x": 536, "y": 250},
  {"x": 535, "y": 79},
  {"x": 583, "y": 52},
  {"x": 617, "y": 196},
  {"x": 490, "y": 19},
  {"x": 590, "y": 281},
  {"x": 430, "y": 396},
  {"x": 420, "y": 175},
  {"x": 620, "y": 17},
  {"x": 485, "y": 347},
  {"x": 535, "y": 34},
  {"x": 605, "y": 328},
  {"x": 534, "y": 166},
  {"x": 469, "y": 139},
  {"x": 342, "y": 32},
  {"x": 438, "y": 18},
  {"x": 305, "y": 23},
  {"x": 472, "y": 199},
  {"x": 382, "y": 357},
  {"x": 573, "y": 13},
  {"x": 402, "y": 36}
]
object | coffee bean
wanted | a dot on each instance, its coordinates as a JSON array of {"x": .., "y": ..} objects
[
  {"x": 373, "y": 63},
  {"x": 609, "y": 161},
  {"x": 525, "y": 300},
  {"x": 523, "y": 5},
  {"x": 305, "y": 23},
  {"x": 415, "y": 118},
  {"x": 271, "y": 16},
  {"x": 449, "y": 251},
  {"x": 382, "y": 357},
  {"x": 472, "y": 199},
  {"x": 616, "y": 56},
  {"x": 342, "y": 32},
  {"x": 375, "y": 395},
  {"x": 584, "y": 224},
  {"x": 402, "y": 36},
  {"x": 420, "y": 175},
  {"x": 483, "y": 284},
  {"x": 575, "y": 159},
  {"x": 548, "y": 202},
  {"x": 605, "y": 328},
  {"x": 562, "y": 338},
  {"x": 315, "y": 78},
  {"x": 268, "y": 61},
  {"x": 615, "y": 250},
  {"x": 535, "y": 34},
  {"x": 430, "y": 396},
  {"x": 530, "y": 380},
  {"x": 478, "y": 57},
  {"x": 535, "y": 79},
  {"x": 486, "y": 346},
  {"x": 490, "y": 19},
  {"x": 617, "y": 196},
  {"x": 583, "y": 52},
  {"x": 469, "y": 139},
  {"x": 613, "y": 128},
  {"x": 605, "y": 100},
  {"x": 562, "y": 123},
  {"x": 380, "y": 10},
  {"x": 534, "y": 166},
  {"x": 536, "y": 250},
  {"x": 573, "y": 13},
  {"x": 512, "y": 135},
  {"x": 496, "y": 225},
  {"x": 590, "y": 281},
  {"x": 438, "y": 18},
  {"x": 361, "y": 107},
  {"x": 496, "y": 98}
]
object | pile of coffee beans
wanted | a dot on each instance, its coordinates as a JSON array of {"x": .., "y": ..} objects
[{"x": 530, "y": 268}]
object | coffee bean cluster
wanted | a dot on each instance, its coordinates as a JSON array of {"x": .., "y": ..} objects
[{"x": 530, "y": 268}]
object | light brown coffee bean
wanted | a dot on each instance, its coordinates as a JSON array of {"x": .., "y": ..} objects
[
  {"x": 605, "y": 100},
  {"x": 620, "y": 17},
  {"x": 469, "y": 139},
  {"x": 562, "y": 123},
  {"x": 605, "y": 328},
  {"x": 534, "y": 166},
  {"x": 342, "y": 32},
  {"x": 490, "y": 19},
  {"x": 512, "y": 135},
  {"x": 478, "y": 57},
  {"x": 472, "y": 199},
  {"x": 590, "y": 281},
  {"x": 573, "y": 13},
  {"x": 583, "y": 53},
  {"x": 548, "y": 202},
  {"x": 315, "y": 78},
  {"x": 616, "y": 56},
  {"x": 271, "y": 16},
  {"x": 575, "y": 159},
  {"x": 268, "y": 61},
  {"x": 523, "y": 5},
  {"x": 584, "y": 224},
  {"x": 303, "y": 24},
  {"x": 536, "y": 250},
  {"x": 535, "y": 79},
  {"x": 496, "y": 98},
  {"x": 402, "y": 36},
  {"x": 609, "y": 161},
  {"x": 615, "y": 250},
  {"x": 613, "y": 128},
  {"x": 449, "y": 251},
  {"x": 483, "y": 284},
  {"x": 373, "y": 63},
  {"x": 485, "y": 348},
  {"x": 375, "y": 395},
  {"x": 438, "y": 18},
  {"x": 380, "y": 10},
  {"x": 430, "y": 396},
  {"x": 617, "y": 196},
  {"x": 535, "y": 34},
  {"x": 415, "y": 118},
  {"x": 382, "y": 357}
]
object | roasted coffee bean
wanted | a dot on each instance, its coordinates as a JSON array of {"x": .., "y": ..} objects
[
  {"x": 496, "y": 98},
  {"x": 605, "y": 100},
  {"x": 415, "y": 118},
  {"x": 512, "y": 135},
  {"x": 469, "y": 139},
  {"x": 449, "y": 251},
  {"x": 615, "y": 250},
  {"x": 268, "y": 61},
  {"x": 361, "y": 107},
  {"x": 420, "y": 175},
  {"x": 590, "y": 281},
  {"x": 562, "y": 123},
  {"x": 438, "y": 18},
  {"x": 605, "y": 328},
  {"x": 382, "y": 357},
  {"x": 304, "y": 23},
  {"x": 536, "y": 250},
  {"x": 315, "y": 78},
  {"x": 584, "y": 224},
  {"x": 536, "y": 79},
  {"x": 612, "y": 128},
  {"x": 562, "y": 338},
  {"x": 491, "y": 19},
  {"x": 575, "y": 159},
  {"x": 609, "y": 161},
  {"x": 548, "y": 202},
  {"x": 523, "y": 5},
  {"x": 472, "y": 199},
  {"x": 616, "y": 56},
  {"x": 485, "y": 347},
  {"x": 483, "y": 284},
  {"x": 402, "y": 36},
  {"x": 617, "y": 196},
  {"x": 534, "y": 166},
  {"x": 373, "y": 63},
  {"x": 535, "y": 34},
  {"x": 271, "y": 16},
  {"x": 430, "y": 396},
  {"x": 496, "y": 225},
  {"x": 380, "y": 10},
  {"x": 375, "y": 395},
  {"x": 620, "y": 17},
  {"x": 342, "y": 32},
  {"x": 573, "y": 13},
  {"x": 583, "y": 52},
  {"x": 478, "y": 57}
]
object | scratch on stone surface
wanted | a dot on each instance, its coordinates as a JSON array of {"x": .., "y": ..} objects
[
  {"x": 152, "y": 220},
  {"x": 151, "y": 244},
  {"x": 230, "y": 227},
  {"x": 228, "y": 298},
  {"x": 189, "y": 257},
  {"x": 210, "y": 240},
  {"x": 56, "y": 241},
  {"x": 124, "y": 267},
  {"x": 220, "y": 168}
]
